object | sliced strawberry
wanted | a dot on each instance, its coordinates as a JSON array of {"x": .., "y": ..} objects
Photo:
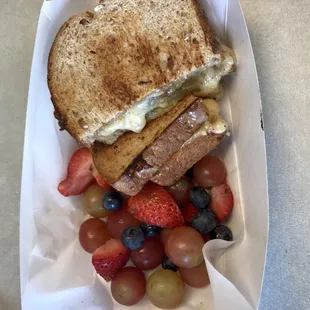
[
  {"x": 222, "y": 201},
  {"x": 100, "y": 180},
  {"x": 79, "y": 175},
  {"x": 109, "y": 258},
  {"x": 189, "y": 212},
  {"x": 154, "y": 206}
]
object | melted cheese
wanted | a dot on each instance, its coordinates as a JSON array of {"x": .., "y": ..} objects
[
  {"x": 202, "y": 83},
  {"x": 215, "y": 124}
]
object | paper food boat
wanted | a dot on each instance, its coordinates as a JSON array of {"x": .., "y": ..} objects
[{"x": 56, "y": 274}]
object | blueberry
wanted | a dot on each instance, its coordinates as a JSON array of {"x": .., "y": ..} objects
[
  {"x": 222, "y": 232},
  {"x": 112, "y": 201},
  {"x": 132, "y": 238},
  {"x": 204, "y": 221},
  {"x": 150, "y": 230},
  {"x": 168, "y": 264},
  {"x": 199, "y": 197}
]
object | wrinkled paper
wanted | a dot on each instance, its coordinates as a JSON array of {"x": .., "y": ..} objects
[{"x": 55, "y": 272}]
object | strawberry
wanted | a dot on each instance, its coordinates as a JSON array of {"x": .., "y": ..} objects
[
  {"x": 79, "y": 175},
  {"x": 154, "y": 206},
  {"x": 100, "y": 180},
  {"x": 109, "y": 258},
  {"x": 222, "y": 201},
  {"x": 189, "y": 212}
]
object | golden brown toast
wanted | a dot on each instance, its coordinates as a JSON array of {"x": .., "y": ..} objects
[{"x": 104, "y": 63}]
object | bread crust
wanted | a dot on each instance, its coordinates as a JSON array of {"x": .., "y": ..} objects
[
  {"x": 176, "y": 134},
  {"x": 186, "y": 157}
]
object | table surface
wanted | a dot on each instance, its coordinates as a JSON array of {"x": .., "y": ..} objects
[{"x": 280, "y": 36}]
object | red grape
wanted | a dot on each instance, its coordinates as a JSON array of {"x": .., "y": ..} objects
[
  {"x": 118, "y": 221},
  {"x": 184, "y": 247},
  {"x": 93, "y": 233},
  {"x": 180, "y": 191},
  {"x": 196, "y": 277},
  {"x": 93, "y": 201},
  {"x": 164, "y": 234},
  {"x": 209, "y": 171},
  {"x": 128, "y": 286},
  {"x": 149, "y": 256},
  {"x": 165, "y": 289}
]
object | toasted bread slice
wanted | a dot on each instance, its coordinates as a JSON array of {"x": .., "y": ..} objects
[
  {"x": 155, "y": 156},
  {"x": 111, "y": 161},
  {"x": 186, "y": 157},
  {"x": 113, "y": 70}
]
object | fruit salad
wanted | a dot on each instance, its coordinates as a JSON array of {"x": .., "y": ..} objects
[{"x": 161, "y": 230}]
